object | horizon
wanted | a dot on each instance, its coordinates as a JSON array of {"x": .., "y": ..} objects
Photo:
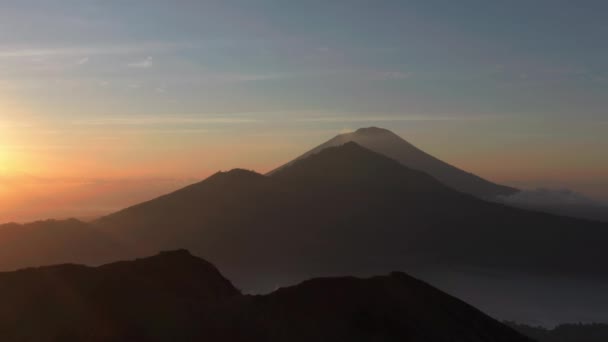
[
  {"x": 87, "y": 198},
  {"x": 106, "y": 104}
]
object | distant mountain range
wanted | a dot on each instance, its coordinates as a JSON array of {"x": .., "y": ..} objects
[
  {"x": 175, "y": 296},
  {"x": 342, "y": 210}
]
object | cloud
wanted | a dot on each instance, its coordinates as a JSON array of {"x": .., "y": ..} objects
[
  {"x": 83, "y": 61},
  {"x": 245, "y": 77},
  {"x": 142, "y": 64},
  {"x": 390, "y": 75},
  {"x": 371, "y": 118},
  {"x": 549, "y": 197},
  {"x": 152, "y": 120},
  {"x": 562, "y": 202},
  {"x": 5, "y": 124},
  {"x": 88, "y": 50}
]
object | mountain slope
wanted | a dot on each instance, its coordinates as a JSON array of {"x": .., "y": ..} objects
[
  {"x": 391, "y": 145},
  {"x": 177, "y": 297},
  {"x": 318, "y": 214},
  {"x": 153, "y": 299},
  {"x": 387, "y": 308}
]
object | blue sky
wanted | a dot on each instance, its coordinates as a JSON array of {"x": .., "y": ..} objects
[
  {"x": 443, "y": 58},
  {"x": 512, "y": 90}
]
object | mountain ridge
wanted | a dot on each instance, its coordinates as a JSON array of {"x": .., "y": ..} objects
[{"x": 174, "y": 296}]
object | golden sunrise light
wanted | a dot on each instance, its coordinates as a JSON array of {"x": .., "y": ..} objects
[{"x": 270, "y": 171}]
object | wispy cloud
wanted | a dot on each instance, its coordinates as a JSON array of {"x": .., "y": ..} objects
[
  {"x": 83, "y": 61},
  {"x": 154, "y": 120},
  {"x": 550, "y": 197},
  {"x": 143, "y": 64},
  {"x": 390, "y": 75},
  {"x": 86, "y": 50},
  {"x": 372, "y": 118},
  {"x": 14, "y": 124}
]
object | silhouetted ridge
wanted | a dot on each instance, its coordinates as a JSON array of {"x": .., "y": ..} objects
[
  {"x": 236, "y": 173},
  {"x": 173, "y": 268},
  {"x": 184, "y": 208},
  {"x": 382, "y": 308},
  {"x": 175, "y": 296},
  {"x": 226, "y": 179}
]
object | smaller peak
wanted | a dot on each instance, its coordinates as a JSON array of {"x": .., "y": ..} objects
[
  {"x": 372, "y": 130},
  {"x": 349, "y": 148},
  {"x": 238, "y": 173},
  {"x": 350, "y": 144}
]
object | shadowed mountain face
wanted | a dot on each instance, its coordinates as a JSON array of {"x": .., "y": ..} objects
[
  {"x": 347, "y": 209},
  {"x": 391, "y": 145},
  {"x": 177, "y": 297}
]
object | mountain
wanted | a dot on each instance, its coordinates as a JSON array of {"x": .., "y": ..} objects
[
  {"x": 153, "y": 299},
  {"x": 175, "y": 296},
  {"x": 319, "y": 213},
  {"x": 391, "y": 145}
]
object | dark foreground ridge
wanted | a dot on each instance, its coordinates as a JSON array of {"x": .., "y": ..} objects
[{"x": 175, "y": 296}]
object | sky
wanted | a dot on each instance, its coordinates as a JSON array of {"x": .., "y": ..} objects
[{"x": 107, "y": 103}]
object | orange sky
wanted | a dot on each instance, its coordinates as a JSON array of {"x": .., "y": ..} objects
[{"x": 81, "y": 169}]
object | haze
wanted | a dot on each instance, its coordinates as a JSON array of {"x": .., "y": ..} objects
[{"x": 104, "y": 104}]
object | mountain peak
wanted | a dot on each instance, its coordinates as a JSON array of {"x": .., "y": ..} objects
[
  {"x": 373, "y": 131},
  {"x": 238, "y": 173},
  {"x": 391, "y": 145},
  {"x": 233, "y": 175},
  {"x": 352, "y": 164}
]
